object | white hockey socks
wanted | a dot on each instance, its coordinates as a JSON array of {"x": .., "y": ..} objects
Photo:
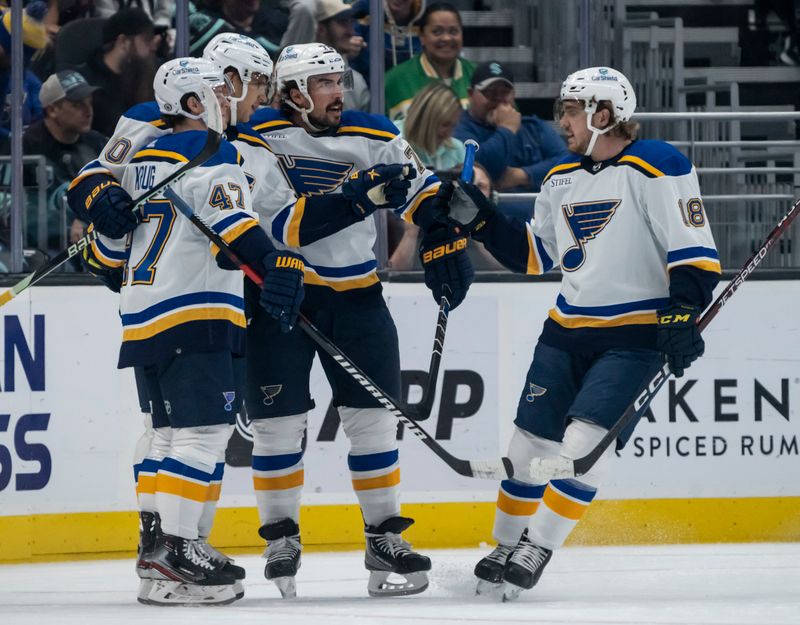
[
  {"x": 373, "y": 461},
  {"x": 151, "y": 449},
  {"x": 183, "y": 483},
  {"x": 565, "y": 501},
  {"x": 278, "y": 466}
]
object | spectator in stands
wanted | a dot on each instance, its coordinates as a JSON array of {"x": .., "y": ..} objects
[
  {"x": 405, "y": 254},
  {"x": 34, "y": 37},
  {"x": 65, "y": 137},
  {"x": 202, "y": 29},
  {"x": 428, "y": 127},
  {"x": 335, "y": 28},
  {"x": 123, "y": 67},
  {"x": 257, "y": 19},
  {"x": 159, "y": 11},
  {"x": 440, "y": 60},
  {"x": 400, "y": 32},
  {"x": 517, "y": 151},
  {"x": 788, "y": 11}
]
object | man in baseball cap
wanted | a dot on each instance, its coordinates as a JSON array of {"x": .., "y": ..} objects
[
  {"x": 67, "y": 84},
  {"x": 516, "y": 150}
]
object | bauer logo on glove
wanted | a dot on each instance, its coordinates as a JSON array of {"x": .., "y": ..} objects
[
  {"x": 445, "y": 249},
  {"x": 95, "y": 192}
]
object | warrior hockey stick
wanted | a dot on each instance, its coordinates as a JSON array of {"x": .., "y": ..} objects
[
  {"x": 545, "y": 469},
  {"x": 423, "y": 409},
  {"x": 209, "y": 149},
  {"x": 488, "y": 469}
]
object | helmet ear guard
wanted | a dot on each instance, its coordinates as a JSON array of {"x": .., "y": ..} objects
[{"x": 188, "y": 76}]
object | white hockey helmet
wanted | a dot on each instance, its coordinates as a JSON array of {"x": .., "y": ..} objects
[
  {"x": 245, "y": 55},
  {"x": 180, "y": 77},
  {"x": 594, "y": 85},
  {"x": 300, "y": 62}
]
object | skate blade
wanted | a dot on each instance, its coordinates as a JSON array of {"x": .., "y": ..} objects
[
  {"x": 511, "y": 592},
  {"x": 287, "y": 586},
  {"x": 169, "y": 593},
  {"x": 145, "y": 585},
  {"x": 403, "y": 584},
  {"x": 489, "y": 589},
  {"x": 238, "y": 589}
]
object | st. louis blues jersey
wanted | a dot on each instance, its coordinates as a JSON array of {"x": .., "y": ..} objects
[
  {"x": 629, "y": 234},
  {"x": 343, "y": 262},
  {"x": 174, "y": 297}
]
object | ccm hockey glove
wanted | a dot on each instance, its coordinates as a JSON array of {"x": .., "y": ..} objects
[
  {"x": 380, "y": 186},
  {"x": 448, "y": 270},
  {"x": 109, "y": 208},
  {"x": 282, "y": 292},
  {"x": 678, "y": 336}
]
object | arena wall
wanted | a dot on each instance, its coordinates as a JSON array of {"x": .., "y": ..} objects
[{"x": 715, "y": 461}]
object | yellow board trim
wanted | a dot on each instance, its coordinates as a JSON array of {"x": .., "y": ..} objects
[
  {"x": 48, "y": 537},
  {"x": 597, "y": 322},
  {"x": 236, "y": 317}
]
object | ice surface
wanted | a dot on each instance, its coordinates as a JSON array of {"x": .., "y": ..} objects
[{"x": 753, "y": 584}]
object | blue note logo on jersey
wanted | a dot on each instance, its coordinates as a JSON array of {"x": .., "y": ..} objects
[
  {"x": 534, "y": 391},
  {"x": 313, "y": 176},
  {"x": 229, "y": 397},
  {"x": 270, "y": 392},
  {"x": 585, "y": 220}
]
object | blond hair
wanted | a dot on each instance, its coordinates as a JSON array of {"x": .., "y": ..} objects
[
  {"x": 625, "y": 130},
  {"x": 429, "y": 108}
]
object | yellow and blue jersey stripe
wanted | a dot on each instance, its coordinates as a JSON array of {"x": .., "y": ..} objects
[{"x": 704, "y": 258}]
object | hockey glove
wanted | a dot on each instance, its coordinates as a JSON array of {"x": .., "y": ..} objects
[
  {"x": 109, "y": 208},
  {"x": 448, "y": 270},
  {"x": 110, "y": 276},
  {"x": 678, "y": 336},
  {"x": 282, "y": 292},
  {"x": 466, "y": 207},
  {"x": 380, "y": 186}
]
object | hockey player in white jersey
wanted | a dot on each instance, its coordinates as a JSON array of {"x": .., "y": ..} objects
[
  {"x": 624, "y": 219},
  {"x": 323, "y": 150},
  {"x": 183, "y": 328}
]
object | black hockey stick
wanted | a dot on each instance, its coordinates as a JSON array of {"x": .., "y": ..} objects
[
  {"x": 422, "y": 410},
  {"x": 209, "y": 149},
  {"x": 489, "y": 469},
  {"x": 560, "y": 468}
]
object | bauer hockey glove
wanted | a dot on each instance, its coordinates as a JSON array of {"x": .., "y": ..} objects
[
  {"x": 380, "y": 186},
  {"x": 109, "y": 206},
  {"x": 678, "y": 336},
  {"x": 465, "y": 206},
  {"x": 448, "y": 270},
  {"x": 282, "y": 292}
]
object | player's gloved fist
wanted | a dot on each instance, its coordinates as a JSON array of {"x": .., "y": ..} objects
[
  {"x": 465, "y": 205},
  {"x": 380, "y": 186},
  {"x": 109, "y": 208},
  {"x": 448, "y": 270},
  {"x": 678, "y": 336},
  {"x": 109, "y": 276},
  {"x": 282, "y": 292}
]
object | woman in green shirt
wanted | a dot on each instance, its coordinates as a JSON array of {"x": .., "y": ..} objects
[{"x": 441, "y": 35}]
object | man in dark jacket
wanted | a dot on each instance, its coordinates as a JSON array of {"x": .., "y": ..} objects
[{"x": 516, "y": 150}]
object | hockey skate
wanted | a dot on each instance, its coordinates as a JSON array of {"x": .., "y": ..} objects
[
  {"x": 186, "y": 561},
  {"x": 228, "y": 565},
  {"x": 282, "y": 554},
  {"x": 489, "y": 570},
  {"x": 524, "y": 567},
  {"x": 387, "y": 554},
  {"x": 149, "y": 531},
  {"x": 165, "y": 592}
]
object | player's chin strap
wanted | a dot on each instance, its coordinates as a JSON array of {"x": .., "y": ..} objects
[
  {"x": 591, "y": 109},
  {"x": 305, "y": 111}
]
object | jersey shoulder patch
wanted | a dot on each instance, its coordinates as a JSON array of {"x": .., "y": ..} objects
[
  {"x": 267, "y": 119},
  {"x": 655, "y": 159},
  {"x": 145, "y": 112}
]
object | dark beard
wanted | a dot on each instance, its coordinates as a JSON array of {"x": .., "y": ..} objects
[{"x": 138, "y": 77}]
